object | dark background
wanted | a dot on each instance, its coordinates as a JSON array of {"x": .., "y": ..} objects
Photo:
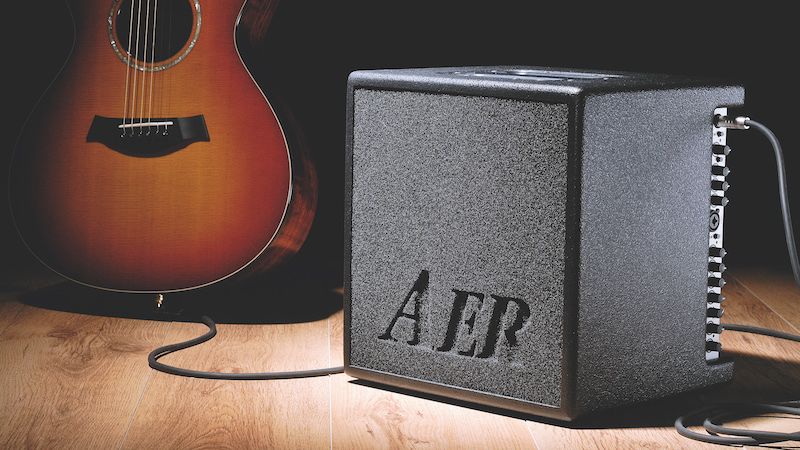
[{"x": 312, "y": 46}]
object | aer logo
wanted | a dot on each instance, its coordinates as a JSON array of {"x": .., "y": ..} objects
[{"x": 501, "y": 316}]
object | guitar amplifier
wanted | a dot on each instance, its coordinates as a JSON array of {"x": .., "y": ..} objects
[{"x": 538, "y": 240}]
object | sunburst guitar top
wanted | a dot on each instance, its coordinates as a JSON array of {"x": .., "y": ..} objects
[{"x": 154, "y": 162}]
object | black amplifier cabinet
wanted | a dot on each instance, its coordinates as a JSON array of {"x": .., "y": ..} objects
[{"x": 546, "y": 241}]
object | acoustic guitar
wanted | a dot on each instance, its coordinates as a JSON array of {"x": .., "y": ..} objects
[{"x": 154, "y": 163}]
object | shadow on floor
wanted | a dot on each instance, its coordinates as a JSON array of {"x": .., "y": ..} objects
[
  {"x": 756, "y": 379},
  {"x": 277, "y": 298}
]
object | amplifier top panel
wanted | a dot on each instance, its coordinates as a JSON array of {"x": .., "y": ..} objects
[{"x": 523, "y": 81}]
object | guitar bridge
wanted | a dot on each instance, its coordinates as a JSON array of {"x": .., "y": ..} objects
[{"x": 147, "y": 139}]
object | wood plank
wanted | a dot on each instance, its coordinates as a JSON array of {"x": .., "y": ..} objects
[
  {"x": 370, "y": 417},
  {"x": 743, "y": 307},
  {"x": 553, "y": 437},
  {"x": 775, "y": 289},
  {"x": 178, "y": 412},
  {"x": 74, "y": 381},
  {"x": 645, "y": 425},
  {"x": 71, "y": 380},
  {"x": 766, "y": 368}
]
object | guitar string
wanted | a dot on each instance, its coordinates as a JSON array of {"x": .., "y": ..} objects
[
  {"x": 152, "y": 66},
  {"x": 144, "y": 67},
  {"x": 166, "y": 96},
  {"x": 163, "y": 78},
  {"x": 163, "y": 75},
  {"x": 136, "y": 59},
  {"x": 127, "y": 72}
]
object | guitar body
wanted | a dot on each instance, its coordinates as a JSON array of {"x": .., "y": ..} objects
[{"x": 166, "y": 173}]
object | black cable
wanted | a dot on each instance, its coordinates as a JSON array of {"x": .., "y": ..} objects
[
  {"x": 759, "y": 330},
  {"x": 783, "y": 191},
  {"x": 153, "y": 357},
  {"x": 714, "y": 416}
]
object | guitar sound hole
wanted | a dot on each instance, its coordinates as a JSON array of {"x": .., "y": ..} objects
[{"x": 172, "y": 20}]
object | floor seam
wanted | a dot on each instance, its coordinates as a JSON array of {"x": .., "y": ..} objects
[{"x": 532, "y": 435}]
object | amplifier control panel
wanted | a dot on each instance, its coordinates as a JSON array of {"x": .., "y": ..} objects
[{"x": 716, "y": 220}]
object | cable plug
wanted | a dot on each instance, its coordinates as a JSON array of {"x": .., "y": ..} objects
[{"x": 737, "y": 123}]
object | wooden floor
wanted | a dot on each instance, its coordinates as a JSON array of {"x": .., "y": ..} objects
[{"x": 73, "y": 380}]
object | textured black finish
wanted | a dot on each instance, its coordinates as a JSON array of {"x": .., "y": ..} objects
[
  {"x": 585, "y": 197},
  {"x": 644, "y": 244},
  {"x": 479, "y": 211}
]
